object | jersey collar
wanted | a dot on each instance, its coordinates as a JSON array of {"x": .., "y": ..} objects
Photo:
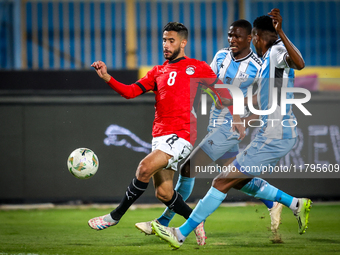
[
  {"x": 176, "y": 60},
  {"x": 241, "y": 59},
  {"x": 277, "y": 41},
  {"x": 265, "y": 54}
]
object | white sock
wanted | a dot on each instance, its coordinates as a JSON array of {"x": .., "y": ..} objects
[
  {"x": 180, "y": 237},
  {"x": 108, "y": 218},
  {"x": 294, "y": 205}
]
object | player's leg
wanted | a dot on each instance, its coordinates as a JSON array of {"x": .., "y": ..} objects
[
  {"x": 212, "y": 147},
  {"x": 274, "y": 208},
  {"x": 163, "y": 183},
  {"x": 252, "y": 187},
  {"x": 206, "y": 206},
  {"x": 180, "y": 150},
  {"x": 262, "y": 190},
  {"x": 260, "y": 151},
  {"x": 263, "y": 151},
  {"x": 184, "y": 186},
  {"x": 219, "y": 140},
  {"x": 186, "y": 180},
  {"x": 228, "y": 158},
  {"x": 151, "y": 164}
]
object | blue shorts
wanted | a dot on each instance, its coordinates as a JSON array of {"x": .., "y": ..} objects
[
  {"x": 262, "y": 153},
  {"x": 220, "y": 141}
]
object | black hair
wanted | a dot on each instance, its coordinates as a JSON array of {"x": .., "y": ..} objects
[
  {"x": 177, "y": 27},
  {"x": 243, "y": 24},
  {"x": 264, "y": 23}
]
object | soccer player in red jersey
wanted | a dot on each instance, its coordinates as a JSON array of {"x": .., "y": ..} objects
[{"x": 174, "y": 122}]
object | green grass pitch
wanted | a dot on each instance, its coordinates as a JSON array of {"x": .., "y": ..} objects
[{"x": 230, "y": 230}]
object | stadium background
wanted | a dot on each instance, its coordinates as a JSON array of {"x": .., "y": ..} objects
[{"x": 51, "y": 102}]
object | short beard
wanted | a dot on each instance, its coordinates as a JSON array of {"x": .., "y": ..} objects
[{"x": 174, "y": 55}]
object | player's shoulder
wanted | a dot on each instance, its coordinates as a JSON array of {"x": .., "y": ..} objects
[
  {"x": 164, "y": 63},
  {"x": 195, "y": 62},
  {"x": 161, "y": 67},
  {"x": 278, "y": 48},
  {"x": 192, "y": 60},
  {"x": 221, "y": 55},
  {"x": 223, "y": 52}
]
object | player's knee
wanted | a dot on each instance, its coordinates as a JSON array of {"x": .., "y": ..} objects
[
  {"x": 144, "y": 172},
  {"x": 218, "y": 183},
  {"x": 242, "y": 183},
  {"x": 223, "y": 184},
  {"x": 185, "y": 169},
  {"x": 163, "y": 195}
]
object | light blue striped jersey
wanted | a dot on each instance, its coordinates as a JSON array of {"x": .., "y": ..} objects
[
  {"x": 276, "y": 73},
  {"x": 239, "y": 72}
]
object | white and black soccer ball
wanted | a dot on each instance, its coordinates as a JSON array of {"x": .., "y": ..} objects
[{"x": 82, "y": 163}]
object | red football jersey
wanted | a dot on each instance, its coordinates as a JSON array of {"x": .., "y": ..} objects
[
  {"x": 176, "y": 98},
  {"x": 177, "y": 94}
]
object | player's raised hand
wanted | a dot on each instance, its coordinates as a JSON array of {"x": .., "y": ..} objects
[
  {"x": 101, "y": 70},
  {"x": 277, "y": 19}
]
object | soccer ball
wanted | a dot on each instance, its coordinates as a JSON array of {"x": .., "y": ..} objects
[{"x": 82, "y": 163}]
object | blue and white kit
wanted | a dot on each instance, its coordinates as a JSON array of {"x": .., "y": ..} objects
[
  {"x": 221, "y": 141},
  {"x": 276, "y": 138}
]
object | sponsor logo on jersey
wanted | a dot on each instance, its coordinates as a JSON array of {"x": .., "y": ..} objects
[
  {"x": 190, "y": 70},
  {"x": 243, "y": 76}
]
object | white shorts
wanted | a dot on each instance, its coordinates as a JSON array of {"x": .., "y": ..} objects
[{"x": 173, "y": 145}]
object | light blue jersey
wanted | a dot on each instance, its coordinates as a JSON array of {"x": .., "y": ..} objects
[
  {"x": 239, "y": 72},
  {"x": 276, "y": 126},
  {"x": 221, "y": 141},
  {"x": 276, "y": 138}
]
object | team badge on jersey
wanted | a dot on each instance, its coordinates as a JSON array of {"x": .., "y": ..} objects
[
  {"x": 190, "y": 70},
  {"x": 243, "y": 76}
]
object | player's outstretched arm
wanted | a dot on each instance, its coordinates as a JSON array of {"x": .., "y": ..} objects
[
  {"x": 294, "y": 58},
  {"x": 127, "y": 91}
]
